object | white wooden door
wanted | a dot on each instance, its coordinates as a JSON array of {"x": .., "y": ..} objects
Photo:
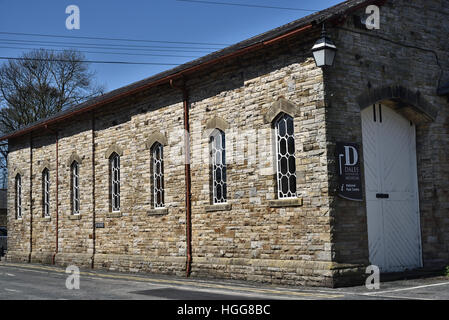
[{"x": 391, "y": 185}]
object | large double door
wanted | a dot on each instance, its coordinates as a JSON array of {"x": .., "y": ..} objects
[{"x": 389, "y": 148}]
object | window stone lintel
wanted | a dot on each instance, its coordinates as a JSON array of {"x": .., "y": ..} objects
[
  {"x": 74, "y": 157},
  {"x": 219, "y": 207},
  {"x": 282, "y": 203},
  {"x": 113, "y": 148},
  {"x": 217, "y": 123},
  {"x": 17, "y": 171},
  {"x": 157, "y": 212},
  {"x": 281, "y": 105},
  {"x": 45, "y": 164},
  {"x": 156, "y": 137}
]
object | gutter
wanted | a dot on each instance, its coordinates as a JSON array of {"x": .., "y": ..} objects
[
  {"x": 188, "y": 194},
  {"x": 57, "y": 196},
  {"x": 31, "y": 197},
  {"x": 93, "y": 193}
]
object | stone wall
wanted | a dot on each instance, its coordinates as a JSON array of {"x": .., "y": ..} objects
[
  {"x": 387, "y": 66},
  {"x": 253, "y": 240},
  {"x": 139, "y": 237},
  {"x": 43, "y": 240},
  {"x": 252, "y": 237},
  {"x": 19, "y": 234},
  {"x": 75, "y": 236}
]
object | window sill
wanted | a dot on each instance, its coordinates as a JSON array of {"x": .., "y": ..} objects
[
  {"x": 75, "y": 217},
  {"x": 219, "y": 207},
  {"x": 157, "y": 212},
  {"x": 283, "y": 203},
  {"x": 46, "y": 219},
  {"x": 113, "y": 215}
]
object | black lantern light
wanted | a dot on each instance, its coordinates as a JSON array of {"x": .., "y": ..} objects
[{"x": 324, "y": 50}]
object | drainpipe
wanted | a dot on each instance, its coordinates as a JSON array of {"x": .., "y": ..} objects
[
  {"x": 93, "y": 189},
  {"x": 31, "y": 197},
  {"x": 185, "y": 98},
  {"x": 57, "y": 192}
]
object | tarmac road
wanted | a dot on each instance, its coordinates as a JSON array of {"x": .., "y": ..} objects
[{"x": 39, "y": 282}]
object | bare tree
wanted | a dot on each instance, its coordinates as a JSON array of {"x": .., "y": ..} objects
[{"x": 39, "y": 84}]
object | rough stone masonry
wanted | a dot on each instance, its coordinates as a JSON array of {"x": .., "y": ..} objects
[{"x": 317, "y": 238}]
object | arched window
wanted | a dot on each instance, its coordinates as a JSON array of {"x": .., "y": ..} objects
[
  {"x": 46, "y": 192},
  {"x": 285, "y": 156},
  {"x": 74, "y": 170},
  {"x": 18, "y": 196},
  {"x": 158, "y": 175},
  {"x": 115, "y": 182},
  {"x": 218, "y": 162}
]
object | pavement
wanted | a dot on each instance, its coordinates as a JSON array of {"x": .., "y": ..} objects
[{"x": 43, "y": 282}]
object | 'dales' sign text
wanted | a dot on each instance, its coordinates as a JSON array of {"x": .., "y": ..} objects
[{"x": 349, "y": 176}]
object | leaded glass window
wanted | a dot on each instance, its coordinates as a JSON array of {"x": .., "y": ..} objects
[
  {"x": 158, "y": 175},
  {"x": 19, "y": 196},
  {"x": 115, "y": 182},
  {"x": 285, "y": 156},
  {"x": 218, "y": 159},
  {"x": 75, "y": 188},
  {"x": 46, "y": 192}
]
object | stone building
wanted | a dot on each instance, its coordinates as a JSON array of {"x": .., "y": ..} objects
[{"x": 327, "y": 170}]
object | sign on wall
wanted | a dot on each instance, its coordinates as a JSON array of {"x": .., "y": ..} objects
[
  {"x": 99, "y": 225},
  {"x": 349, "y": 172}
]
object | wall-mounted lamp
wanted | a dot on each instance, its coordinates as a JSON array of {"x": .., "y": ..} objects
[{"x": 324, "y": 50}]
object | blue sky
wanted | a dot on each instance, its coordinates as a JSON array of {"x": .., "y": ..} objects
[{"x": 166, "y": 20}]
